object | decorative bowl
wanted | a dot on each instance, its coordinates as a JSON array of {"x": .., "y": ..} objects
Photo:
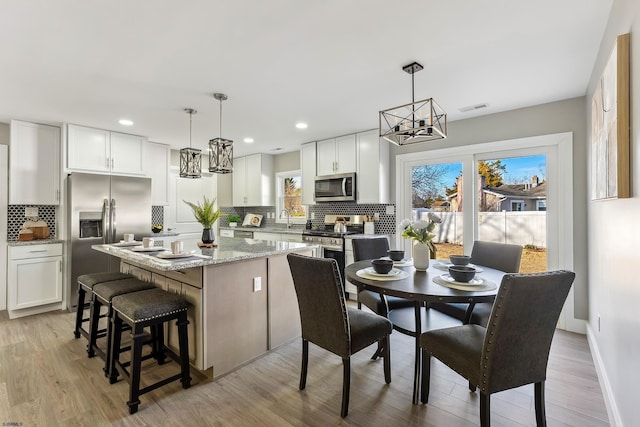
[
  {"x": 461, "y": 273},
  {"x": 459, "y": 259},
  {"x": 382, "y": 266},
  {"x": 396, "y": 255}
]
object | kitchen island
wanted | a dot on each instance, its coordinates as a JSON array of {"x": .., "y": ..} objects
[{"x": 241, "y": 296}]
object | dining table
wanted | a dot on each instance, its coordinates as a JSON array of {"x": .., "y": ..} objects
[{"x": 424, "y": 287}]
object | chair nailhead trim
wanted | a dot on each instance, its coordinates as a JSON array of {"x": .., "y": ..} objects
[{"x": 152, "y": 317}]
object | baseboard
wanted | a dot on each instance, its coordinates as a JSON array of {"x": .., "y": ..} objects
[{"x": 612, "y": 409}]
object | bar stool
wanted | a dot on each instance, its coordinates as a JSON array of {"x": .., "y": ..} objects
[
  {"x": 86, "y": 282},
  {"x": 150, "y": 308},
  {"x": 103, "y": 293}
]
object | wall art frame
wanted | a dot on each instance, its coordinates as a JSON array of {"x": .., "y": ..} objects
[{"x": 610, "y": 127}]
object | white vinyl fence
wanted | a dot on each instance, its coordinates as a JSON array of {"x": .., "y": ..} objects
[{"x": 522, "y": 228}]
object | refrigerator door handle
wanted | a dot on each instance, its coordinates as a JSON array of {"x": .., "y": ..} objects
[
  {"x": 113, "y": 221},
  {"x": 105, "y": 221}
]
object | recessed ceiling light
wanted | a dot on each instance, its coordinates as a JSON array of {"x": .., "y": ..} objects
[
  {"x": 125, "y": 122},
  {"x": 301, "y": 125},
  {"x": 248, "y": 140}
]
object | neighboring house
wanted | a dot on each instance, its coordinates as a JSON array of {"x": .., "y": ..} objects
[
  {"x": 508, "y": 197},
  {"x": 441, "y": 206}
]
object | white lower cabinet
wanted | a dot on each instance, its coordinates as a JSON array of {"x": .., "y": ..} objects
[
  {"x": 284, "y": 237},
  {"x": 35, "y": 279}
]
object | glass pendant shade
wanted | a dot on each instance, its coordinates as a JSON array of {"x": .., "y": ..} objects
[
  {"x": 190, "y": 158},
  {"x": 220, "y": 149},
  {"x": 221, "y": 155},
  {"x": 415, "y": 122}
]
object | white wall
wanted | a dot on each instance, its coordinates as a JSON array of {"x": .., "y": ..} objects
[{"x": 614, "y": 287}]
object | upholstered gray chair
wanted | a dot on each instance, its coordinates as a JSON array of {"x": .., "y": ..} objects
[
  {"x": 499, "y": 256},
  {"x": 513, "y": 349},
  {"x": 329, "y": 323},
  {"x": 374, "y": 248}
]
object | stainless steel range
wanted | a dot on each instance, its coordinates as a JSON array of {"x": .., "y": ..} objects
[{"x": 330, "y": 237}]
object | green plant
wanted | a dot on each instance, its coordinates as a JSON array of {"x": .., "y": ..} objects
[
  {"x": 233, "y": 218},
  {"x": 205, "y": 213}
]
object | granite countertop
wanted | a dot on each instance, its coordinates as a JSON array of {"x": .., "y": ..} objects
[
  {"x": 229, "y": 250},
  {"x": 281, "y": 230},
  {"x": 34, "y": 242}
]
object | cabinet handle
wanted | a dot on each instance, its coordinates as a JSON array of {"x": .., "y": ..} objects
[
  {"x": 112, "y": 163},
  {"x": 58, "y": 195},
  {"x": 40, "y": 250}
]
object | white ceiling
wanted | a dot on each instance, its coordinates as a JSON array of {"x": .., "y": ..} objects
[{"x": 333, "y": 63}]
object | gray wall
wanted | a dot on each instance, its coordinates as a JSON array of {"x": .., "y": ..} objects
[
  {"x": 5, "y": 133},
  {"x": 614, "y": 289},
  {"x": 557, "y": 117},
  {"x": 286, "y": 161}
]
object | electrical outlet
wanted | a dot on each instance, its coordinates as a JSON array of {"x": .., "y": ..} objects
[
  {"x": 30, "y": 212},
  {"x": 376, "y": 216},
  {"x": 313, "y": 215},
  {"x": 391, "y": 209},
  {"x": 257, "y": 284}
]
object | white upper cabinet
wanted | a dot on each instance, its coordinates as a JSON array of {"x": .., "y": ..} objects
[
  {"x": 308, "y": 170},
  {"x": 336, "y": 155},
  {"x": 253, "y": 180},
  {"x": 98, "y": 150},
  {"x": 158, "y": 170},
  {"x": 34, "y": 164},
  {"x": 373, "y": 168},
  {"x": 127, "y": 153}
]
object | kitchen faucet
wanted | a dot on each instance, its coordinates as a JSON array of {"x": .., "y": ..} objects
[{"x": 288, "y": 217}]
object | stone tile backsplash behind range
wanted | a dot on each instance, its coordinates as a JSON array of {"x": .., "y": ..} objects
[
  {"x": 16, "y": 218},
  {"x": 385, "y": 225}
]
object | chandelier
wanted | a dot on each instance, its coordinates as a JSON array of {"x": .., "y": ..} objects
[
  {"x": 416, "y": 122},
  {"x": 220, "y": 149},
  {"x": 190, "y": 157}
]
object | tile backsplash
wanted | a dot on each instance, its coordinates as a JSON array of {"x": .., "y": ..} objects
[
  {"x": 16, "y": 218},
  {"x": 385, "y": 225}
]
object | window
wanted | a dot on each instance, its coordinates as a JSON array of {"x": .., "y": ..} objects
[
  {"x": 541, "y": 205},
  {"x": 517, "y": 205},
  {"x": 289, "y": 198}
]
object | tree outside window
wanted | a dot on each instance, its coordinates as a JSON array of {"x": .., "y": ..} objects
[{"x": 289, "y": 197}]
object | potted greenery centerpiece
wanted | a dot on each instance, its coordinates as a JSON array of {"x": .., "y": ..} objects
[
  {"x": 206, "y": 214},
  {"x": 421, "y": 233},
  {"x": 233, "y": 220}
]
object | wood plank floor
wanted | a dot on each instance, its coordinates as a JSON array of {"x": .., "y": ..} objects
[{"x": 47, "y": 380}]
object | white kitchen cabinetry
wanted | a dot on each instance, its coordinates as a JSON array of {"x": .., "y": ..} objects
[
  {"x": 373, "y": 168},
  {"x": 34, "y": 164},
  {"x": 280, "y": 237},
  {"x": 34, "y": 279},
  {"x": 336, "y": 155},
  {"x": 253, "y": 180},
  {"x": 308, "y": 170},
  {"x": 98, "y": 150},
  {"x": 158, "y": 170}
]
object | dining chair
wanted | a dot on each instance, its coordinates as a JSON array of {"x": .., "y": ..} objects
[
  {"x": 513, "y": 350},
  {"x": 499, "y": 256},
  {"x": 328, "y": 322},
  {"x": 373, "y": 248}
]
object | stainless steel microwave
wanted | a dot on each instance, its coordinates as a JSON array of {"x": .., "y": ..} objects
[{"x": 335, "y": 188}]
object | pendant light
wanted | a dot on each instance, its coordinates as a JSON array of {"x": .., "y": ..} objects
[
  {"x": 190, "y": 157},
  {"x": 220, "y": 149},
  {"x": 418, "y": 121}
]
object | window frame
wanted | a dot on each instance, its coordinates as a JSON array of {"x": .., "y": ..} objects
[
  {"x": 280, "y": 176},
  {"x": 519, "y": 202}
]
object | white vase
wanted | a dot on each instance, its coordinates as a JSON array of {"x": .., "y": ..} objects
[{"x": 420, "y": 256}]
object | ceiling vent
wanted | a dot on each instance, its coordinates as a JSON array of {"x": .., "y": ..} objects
[{"x": 473, "y": 107}]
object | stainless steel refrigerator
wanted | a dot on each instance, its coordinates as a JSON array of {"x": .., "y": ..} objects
[{"x": 101, "y": 208}]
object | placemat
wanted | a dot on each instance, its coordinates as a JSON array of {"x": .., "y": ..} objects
[
  {"x": 366, "y": 274},
  {"x": 486, "y": 286}
]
